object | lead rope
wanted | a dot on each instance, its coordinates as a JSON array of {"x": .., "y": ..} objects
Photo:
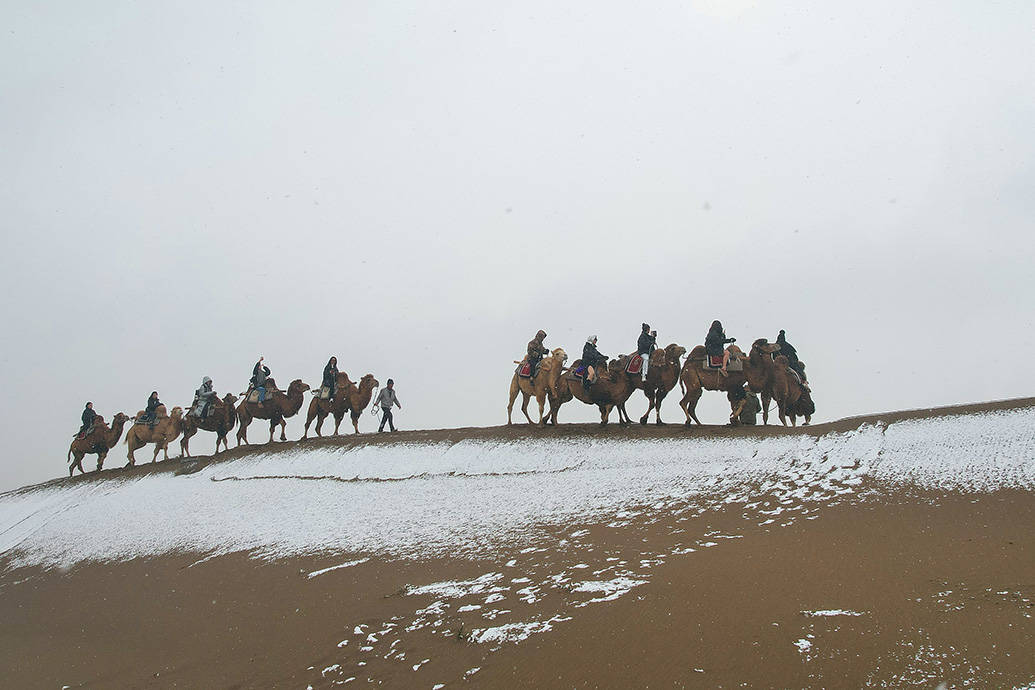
[{"x": 373, "y": 398}]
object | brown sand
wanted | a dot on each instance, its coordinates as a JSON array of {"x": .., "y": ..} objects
[{"x": 721, "y": 616}]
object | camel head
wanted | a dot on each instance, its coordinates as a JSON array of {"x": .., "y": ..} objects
[
  {"x": 298, "y": 387},
  {"x": 759, "y": 348},
  {"x": 368, "y": 382},
  {"x": 560, "y": 355},
  {"x": 674, "y": 352},
  {"x": 177, "y": 413},
  {"x": 763, "y": 345},
  {"x": 120, "y": 418},
  {"x": 229, "y": 399}
]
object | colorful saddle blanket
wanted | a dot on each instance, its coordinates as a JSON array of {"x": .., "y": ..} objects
[
  {"x": 635, "y": 365},
  {"x": 713, "y": 362},
  {"x": 524, "y": 370}
]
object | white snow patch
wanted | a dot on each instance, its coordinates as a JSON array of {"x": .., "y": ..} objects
[
  {"x": 347, "y": 564},
  {"x": 478, "y": 496},
  {"x": 514, "y": 632},
  {"x": 831, "y": 612}
]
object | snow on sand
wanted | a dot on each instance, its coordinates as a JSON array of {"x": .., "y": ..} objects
[{"x": 472, "y": 496}]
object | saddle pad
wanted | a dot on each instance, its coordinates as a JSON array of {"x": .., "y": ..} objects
[
  {"x": 253, "y": 395},
  {"x": 580, "y": 372},
  {"x": 325, "y": 392},
  {"x": 525, "y": 370},
  {"x": 713, "y": 362},
  {"x": 635, "y": 365},
  {"x": 735, "y": 365}
]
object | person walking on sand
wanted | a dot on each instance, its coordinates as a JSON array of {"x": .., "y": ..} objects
[{"x": 386, "y": 398}]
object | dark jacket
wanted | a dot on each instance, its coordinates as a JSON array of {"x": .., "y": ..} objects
[
  {"x": 259, "y": 374},
  {"x": 330, "y": 375},
  {"x": 646, "y": 344},
  {"x": 787, "y": 350},
  {"x": 152, "y": 406},
  {"x": 536, "y": 349},
  {"x": 88, "y": 417},
  {"x": 715, "y": 341},
  {"x": 591, "y": 356}
]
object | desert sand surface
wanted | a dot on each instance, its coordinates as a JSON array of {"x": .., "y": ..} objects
[{"x": 894, "y": 550}]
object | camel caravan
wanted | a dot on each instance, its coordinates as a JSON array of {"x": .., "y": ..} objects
[
  {"x": 770, "y": 370},
  {"x": 338, "y": 395}
]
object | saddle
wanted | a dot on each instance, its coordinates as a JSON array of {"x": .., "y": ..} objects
[
  {"x": 253, "y": 395},
  {"x": 524, "y": 370},
  {"x": 325, "y": 393},
  {"x": 579, "y": 371},
  {"x": 714, "y": 362},
  {"x": 635, "y": 365}
]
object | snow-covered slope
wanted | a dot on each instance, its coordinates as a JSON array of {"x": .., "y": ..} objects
[{"x": 423, "y": 499}]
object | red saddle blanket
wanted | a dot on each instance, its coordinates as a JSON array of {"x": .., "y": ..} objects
[
  {"x": 714, "y": 361},
  {"x": 635, "y": 365},
  {"x": 525, "y": 370}
]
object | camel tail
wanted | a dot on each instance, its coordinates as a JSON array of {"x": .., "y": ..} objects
[{"x": 69, "y": 458}]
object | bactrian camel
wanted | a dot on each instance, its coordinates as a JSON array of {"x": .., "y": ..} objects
[
  {"x": 337, "y": 405},
  {"x": 782, "y": 386},
  {"x": 359, "y": 397},
  {"x": 277, "y": 407},
  {"x": 695, "y": 378},
  {"x": 545, "y": 384},
  {"x": 221, "y": 419},
  {"x": 164, "y": 432},
  {"x": 661, "y": 378},
  {"x": 98, "y": 442},
  {"x": 611, "y": 390}
]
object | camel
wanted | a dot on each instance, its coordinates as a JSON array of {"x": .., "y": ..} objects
[
  {"x": 99, "y": 442},
  {"x": 694, "y": 379},
  {"x": 338, "y": 405},
  {"x": 347, "y": 397},
  {"x": 277, "y": 407},
  {"x": 163, "y": 433},
  {"x": 221, "y": 419},
  {"x": 545, "y": 384},
  {"x": 661, "y": 378},
  {"x": 782, "y": 386},
  {"x": 611, "y": 390},
  {"x": 359, "y": 397}
]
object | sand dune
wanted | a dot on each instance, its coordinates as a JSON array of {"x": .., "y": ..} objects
[{"x": 893, "y": 550}]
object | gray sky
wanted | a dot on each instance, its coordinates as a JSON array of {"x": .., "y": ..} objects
[{"x": 417, "y": 188}]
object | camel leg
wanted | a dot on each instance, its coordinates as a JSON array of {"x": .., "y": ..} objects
[
  {"x": 782, "y": 413},
  {"x": 657, "y": 406},
  {"x": 309, "y": 420},
  {"x": 689, "y": 404},
  {"x": 338, "y": 416},
  {"x": 283, "y": 429},
  {"x": 158, "y": 448},
  {"x": 133, "y": 445},
  {"x": 605, "y": 412},
  {"x": 514, "y": 389},
  {"x": 185, "y": 443},
  {"x": 808, "y": 420},
  {"x": 765, "y": 408},
  {"x": 623, "y": 416},
  {"x": 100, "y": 461},
  {"x": 77, "y": 461},
  {"x": 242, "y": 429},
  {"x": 541, "y": 399},
  {"x": 319, "y": 423},
  {"x": 273, "y": 427},
  {"x": 524, "y": 406},
  {"x": 355, "y": 421},
  {"x": 650, "y": 405}
]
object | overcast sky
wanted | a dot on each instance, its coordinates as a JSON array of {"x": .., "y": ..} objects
[{"x": 418, "y": 187}]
